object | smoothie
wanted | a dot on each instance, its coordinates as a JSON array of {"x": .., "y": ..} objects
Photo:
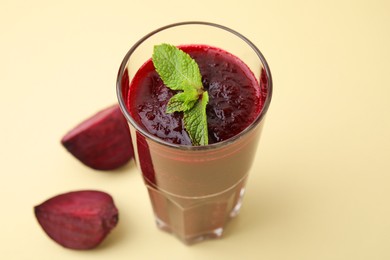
[
  {"x": 195, "y": 192},
  {"x": 235, "y": 97}
]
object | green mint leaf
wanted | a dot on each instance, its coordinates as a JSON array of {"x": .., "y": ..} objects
[
  {"x": 180, "y": 72},
  {"x": 182, "y": 101},
  {"x": 176, "y": 68},
  {"x": 195, "y": 121}
]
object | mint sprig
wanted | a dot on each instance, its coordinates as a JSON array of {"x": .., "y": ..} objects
[{"x": 181, "y": 73}]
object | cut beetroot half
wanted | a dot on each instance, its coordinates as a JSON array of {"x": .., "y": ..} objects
[
  {"x": 102, "y": 141},
  {"x": 79, "y": 219}
]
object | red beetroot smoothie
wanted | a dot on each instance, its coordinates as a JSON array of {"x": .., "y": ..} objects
[
  {"x": 194, "y": 193},
  {"x": 235, "y": 97}
]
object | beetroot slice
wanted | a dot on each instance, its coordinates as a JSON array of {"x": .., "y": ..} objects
[
  {"x": 102, "y": 141},
  {"x": 78, "y": 219}
]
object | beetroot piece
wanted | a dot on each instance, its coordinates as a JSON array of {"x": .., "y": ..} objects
[
  {"x": 101, "y": 142},
  {"x": 79, "y": 219}
]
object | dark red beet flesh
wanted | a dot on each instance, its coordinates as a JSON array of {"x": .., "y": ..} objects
[
  {"x": 101, "y": 142},
  {"x": 79, "y": 219}
]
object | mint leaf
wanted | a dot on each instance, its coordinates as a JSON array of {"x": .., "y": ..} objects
[
  {"x": 176, "y": 68},
  {"x": 182, "y": 101},
  {"x": 195, "y": 121},
  {"x": 180, "y": 72}
]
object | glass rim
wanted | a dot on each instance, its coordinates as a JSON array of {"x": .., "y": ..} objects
[{"x": 156, "y": 139}]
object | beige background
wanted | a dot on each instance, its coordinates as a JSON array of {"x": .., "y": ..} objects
[{"x": 320, "y": 186}]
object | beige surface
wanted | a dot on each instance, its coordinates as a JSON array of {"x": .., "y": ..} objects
[{"x": 320, "y": 187}]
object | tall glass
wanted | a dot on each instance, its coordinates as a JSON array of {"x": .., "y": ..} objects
[{"x": 195, "y": 190}]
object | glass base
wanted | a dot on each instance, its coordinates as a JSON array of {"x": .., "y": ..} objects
[
  {"x": 189, "y": 240},
  {"x": 193, "y": 220}
]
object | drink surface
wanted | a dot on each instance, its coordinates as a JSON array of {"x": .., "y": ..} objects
[{"x": 235, "y": 97}]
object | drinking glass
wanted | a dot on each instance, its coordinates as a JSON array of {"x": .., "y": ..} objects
[{"x": 195, "y": 190}]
